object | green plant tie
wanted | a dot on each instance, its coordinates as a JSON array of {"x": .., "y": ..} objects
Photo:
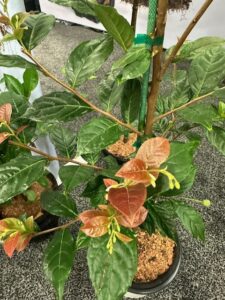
[
  {"x": 152, "y": 12},
  {"x": 148, "y": 41}
]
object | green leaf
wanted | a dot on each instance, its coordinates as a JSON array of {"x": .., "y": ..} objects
[
  {"x": 217, "y": 138},
  {"x": 181, "y": 157},
  {"x": 82, "y": 241},
  {"x": 17, "y": 175},
  {"x": 116, "y": 25},
  {"x": 133, "y": 64},
  {"x": 58, "y": 204},
  {"x": 58, "y": 260},
  {"x": 160, "y": 218},
  {"x": 220, "y": 93},
  {"x": 221, "y": 109},
  {"x": 203, "y": 114},
  {"x": 95, "y": 190},
  {"x": 207, "y": 71},
  {"x": 131, "y": 101},
  {"x": 110, "y": 92},
  {"x": 30, "y": 81},
  {"x": 92, "y": 158},
  {"x": 190, "y": 219},
  {"x": 191, "y": 50},
  {"x": 19, "y": 103},
  {"x": 185, "y": 185},
  {"x": 81, "y": 6},
  {"x": 73, "y": 176},
  {"x": 96, "y": 135},
  {"x": 87, "y": 58},
  {"x": 38, "y": 27},
  {"x": 106, "y": 269},
  {"x": 61, "y": 106},
  {"x": 64, "y": 140},
  {"x": 13, "y": 85},
  {"x": 15, "y": 61}
]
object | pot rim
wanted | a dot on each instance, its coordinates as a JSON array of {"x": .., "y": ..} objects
[{"x": 163, "y": 280}]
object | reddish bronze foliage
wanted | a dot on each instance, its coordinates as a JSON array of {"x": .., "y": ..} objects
[
  {"x": 87, "y": 215},
  {"x": 108, "y": 182},
  {"x": 135, "y": 170},
  {"x": 4, "y": 136},
  {"x": 16, "y": 242},
  {"x": 128, "y": 200},
  {"x": 139, "y": 218},
  {"x": 154, "y": 152},
  {"x": 96, "y": 226},
  {"x": 5, "y": 112}
]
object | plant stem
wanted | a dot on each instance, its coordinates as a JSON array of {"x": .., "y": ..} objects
[
  {"x": 56, "y": 228},
  {"x": 77, "y": 94},
  {"x": 186, "y": 105},
  {"x": 134, "y": 14},
  {"x": 184, "y": 36},
  {"x": 152, "y": 99},
  {"x": 51, "y": 158}
]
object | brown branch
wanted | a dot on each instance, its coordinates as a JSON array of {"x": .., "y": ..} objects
[
  {"x": 51, "y": 158},
  {"x": 184, "y": 36},
  {"x": 64, "y": 226},
  {"x": 152, "y": 99},
  {"x": 134, "y": 14},
  {"x": 185, "y": 105},
  {"x": 76, "y": 93}
]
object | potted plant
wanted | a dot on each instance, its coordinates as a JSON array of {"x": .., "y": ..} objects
[{"x": 140, "y": 196}]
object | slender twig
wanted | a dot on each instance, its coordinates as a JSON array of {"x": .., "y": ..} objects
[
  {"x": 186, "y": 105},
  {"x": 51, "y": 158},
  {"x": 134, "y": 14},
  {"x": 152, "y": 99},
  {"x": 184, "y": 36},
  {"x": 64, "y": 226},
  {"x": 76, "y": 93}
]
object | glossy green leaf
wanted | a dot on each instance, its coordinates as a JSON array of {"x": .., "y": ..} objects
[
  {"x": 15, "y": 61},
  {"x": 131, "y": 101},
  {"x": 111, "y": 275},
  {"x": 38, "y": 27},
  {"x": 116, "y": 25},
  {"x": 133, "y": 64},
  {"x": 191, "y": 50},
  {"x": 95, "y": 190},
  {"x": 84, "y": 7},
  {"x": 60, "y": 106},
  {"x": 30, "y": 81},
  {"x": 160, "y": 218},
  {"x": 13, "y": 85},
  {"x": 217, "y": 138},
  {"x": 97, "y": 134},
  {"x": 64, "y": 140},
  {"x": 207, "y": 71},
  {"x": 17, "y": 175},
  {"x": 87, "y": 58},
  {"x": 203, "y": 114},
  {"x": 73, "y": 176},
  {"x": 221, "y": 109},
  {"x": 181, "y": 158},
  {"x": 190, "y": 219},
  {"x": 220, "y": 93},
  {"x": 82, "y": 240},
  {"x": 110, "y": 92},
  {"x": 58, "y": 204},
  {"x": 19, "y": 103},
  {"x": 58, "y": 260}
]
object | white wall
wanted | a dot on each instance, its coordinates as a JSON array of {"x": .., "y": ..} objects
[{"x": 212, "y": 23}]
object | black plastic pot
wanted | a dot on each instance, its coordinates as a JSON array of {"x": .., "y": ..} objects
[
  {"x": 163, "y": 280},
  {"x": 44, "y": 222}
]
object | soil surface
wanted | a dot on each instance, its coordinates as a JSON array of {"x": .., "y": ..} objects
[
  {"x": 124, "y": 146},
  {"x": 19, "y": 205},
  {"x": 155, "y": 256}
]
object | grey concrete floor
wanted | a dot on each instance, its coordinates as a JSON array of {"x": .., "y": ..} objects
[{"x": 202, "y": 272}]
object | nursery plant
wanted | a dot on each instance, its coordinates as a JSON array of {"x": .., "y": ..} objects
[{"x": 147, "y": 190}]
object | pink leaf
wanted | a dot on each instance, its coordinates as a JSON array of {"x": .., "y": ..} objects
[
  {"x": 154, "y": 152},
  {"x": 10, "y": 244},
  {"x": 139, "y": 218},
  {"x": 4, "y": 136},
  {"x": 128, "y": 200},
  {"x": 87, "y": 215},
  {"x": 5, "y": 112},
  {"x": 135, "y": 170},
  {"x": 108, "y": 182},
  {"x": 95, "y": 227}
]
